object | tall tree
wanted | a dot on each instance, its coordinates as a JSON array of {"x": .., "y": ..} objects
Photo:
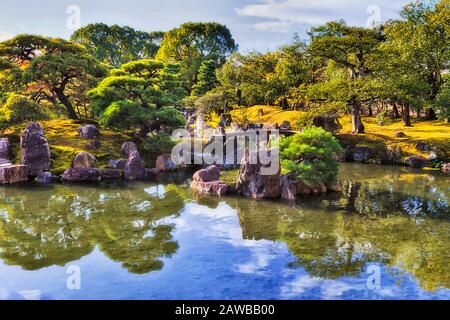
[
  {"x": 422, "y": 37},
  {"x": 207, "y": 79},
  {"x": 352, "y": 48},
  {"x": 137, "y": 96},
  {"x": 50, "y": 68},
  {"x": 195, "y": 42},
  {"x": 116, "y": 45}
]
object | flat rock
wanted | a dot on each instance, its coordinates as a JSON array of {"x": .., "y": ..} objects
[
  {"x": 13, "y": 174},
  {"x": 81, "y": 175},
  {"x": 111, "y": 174}
]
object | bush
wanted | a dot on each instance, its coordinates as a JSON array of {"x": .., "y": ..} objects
[
  {"x": 311, "y": 156},
  {"x": 156, "y": 145},
  {"x": 18, "y": 109}
]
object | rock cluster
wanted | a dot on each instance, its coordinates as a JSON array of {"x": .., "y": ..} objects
[
  {"x": 35, "y": 152},
  {"x": 82, "y": 169}
]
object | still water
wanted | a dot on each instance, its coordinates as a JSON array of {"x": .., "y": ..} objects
[{"x": 386, "y": 236}]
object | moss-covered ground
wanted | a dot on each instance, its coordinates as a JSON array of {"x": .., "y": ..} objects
[{"x": 65, "y": 143}]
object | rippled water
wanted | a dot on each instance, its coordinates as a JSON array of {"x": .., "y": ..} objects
[{"x": 155, "y": 240}]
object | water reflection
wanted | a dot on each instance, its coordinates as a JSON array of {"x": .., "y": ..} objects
[
  {"x": 54, "y": 226},
  {"x": 371, "y": 221}
]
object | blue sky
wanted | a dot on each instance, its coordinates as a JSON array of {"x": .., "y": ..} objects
[{"x": 255, "y": 24}]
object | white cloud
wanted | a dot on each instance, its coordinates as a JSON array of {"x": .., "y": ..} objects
[{"x": 288, "y": 15}]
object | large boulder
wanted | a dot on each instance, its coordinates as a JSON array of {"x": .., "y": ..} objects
[
  {"x": 44, "y": 178},
  {"x": 213, "y": 187},
  {"x": 35, "y": 152},
  {"x": 134, "y": 169},
  {"x": 5, "y": 151},
  {"x": 127, "y": 148},
  {"x": 417, "y": 161},
  {"x": 164, "y": 163},
  {"x": 13, "y": 174},
  {"x": 88, "y": 131},
  {"x": 364, "y": 154},
  {"x": 81, "y": 175},
  {"x": 83, "y": 160},
  {"x": 254, "y": 185},
  {"x": 211, "y": 173}
]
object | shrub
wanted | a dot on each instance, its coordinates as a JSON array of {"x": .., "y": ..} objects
[
  {"x": 156, "y": 145},
  {"x": 18, "y": 109},
  {"x": 311, "y": 156}
]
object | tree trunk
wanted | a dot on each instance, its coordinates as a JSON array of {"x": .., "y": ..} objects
[
  {"x": 66, "y": 102},
  {"x": 395, "y": 109},
  {"x": 406, "y": 115},
  {"x": 370, "y": 110},
  {"x": 357, "y": 125}
]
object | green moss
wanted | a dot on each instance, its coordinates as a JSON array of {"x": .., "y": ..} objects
[
  {"x": 230, "y": 176},
  {"x": 65, "y": 143}
]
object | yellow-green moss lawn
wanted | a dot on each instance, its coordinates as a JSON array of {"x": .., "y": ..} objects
[{"x": 65, "y": 143}]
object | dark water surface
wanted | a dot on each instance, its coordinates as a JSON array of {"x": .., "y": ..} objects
[{"x": 155, "y": 240}]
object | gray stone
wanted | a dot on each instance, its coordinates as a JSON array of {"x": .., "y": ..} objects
[
  {"x": 111, "y": 174},
  {"x": 252, "y": 184},
  {"x": 134, "y": 169},
  {"x": 10, "y": 174},
  {"x": 165, "y": 163},
  {"x": 417, "y": 161},
  {"x": 83, "y": 160},
  {"x": 400, "y": 134},
  {"x": 35, "y": 152},
  {"x": 81, "y": 175},
  {"x": 127, "y": 148},
  {"x": 5, "y": 151},
  {"x": 423, "y": 146},
  {"x": 211, "y": 173},
  {"x": 44, "y": 178},
  {"x": 118, "y": 164},
  {"x": 288, "y": 187},
  {"x": 364, "y": 154},
  {"x": 446, "y": 168},
  {"x": 88, "y": 131}
]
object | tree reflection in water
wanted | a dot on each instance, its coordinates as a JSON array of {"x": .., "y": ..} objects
[
  {"x": 57, "y": 225},
  {"x": 374, "y": 220}
]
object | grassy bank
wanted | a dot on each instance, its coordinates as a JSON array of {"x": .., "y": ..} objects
[
  {"x": 65, "y": 143},
  {"x": 436, "y": 133}
]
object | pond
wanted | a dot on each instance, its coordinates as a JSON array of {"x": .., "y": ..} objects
[{"x": 386, "y": 236}]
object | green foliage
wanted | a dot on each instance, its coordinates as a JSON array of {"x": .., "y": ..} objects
[
  {"x": 206, "y": 80},
  {"x": 135, "y": 96},
  {"x": 18, "y": 109},
  {"x": 442, "y": 103},
  {"x": 192, "y": 43},
  {"x": 212, "y": 101},
  {"x": 49, "y": 69},
  {"x": 117, "y": 45},
  {"x": 156, "y": 145},
  {"x": 311, "y": 155}
]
